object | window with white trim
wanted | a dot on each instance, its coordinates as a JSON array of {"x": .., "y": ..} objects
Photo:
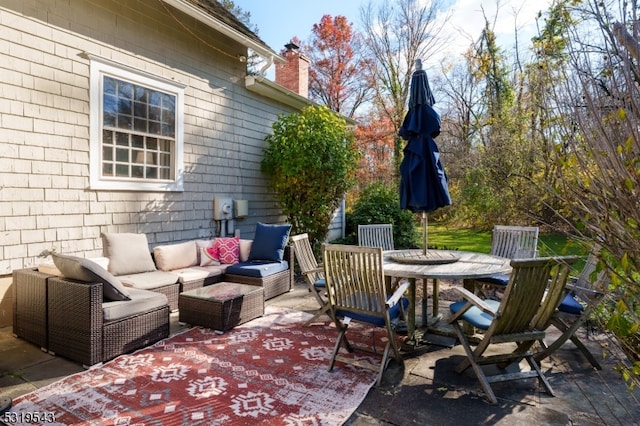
[{"x": 136, "y": 130}]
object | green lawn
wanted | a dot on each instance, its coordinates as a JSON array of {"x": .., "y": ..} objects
[{"x": 443, "y": 237}]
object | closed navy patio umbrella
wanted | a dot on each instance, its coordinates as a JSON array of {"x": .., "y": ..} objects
[{"x": 423, "y": 181}]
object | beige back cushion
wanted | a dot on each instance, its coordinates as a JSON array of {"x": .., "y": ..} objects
[
  {"x": 245, "y": 249},
  {"x": 127, "y": 253},
  {"x": 176, "y": 256}
]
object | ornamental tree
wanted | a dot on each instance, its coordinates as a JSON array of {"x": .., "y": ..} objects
[{"x": 311, "y": 161}]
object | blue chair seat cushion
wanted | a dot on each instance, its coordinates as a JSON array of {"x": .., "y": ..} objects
[
  {"x": 394, "y": 313},
  {"x": 496, "y": 279},
  {"x": 257, "y": 269},
  {"x": 475, "y": 316},
  {"x": 320, "y": 283},
  {"x": 570, "y": 305}
]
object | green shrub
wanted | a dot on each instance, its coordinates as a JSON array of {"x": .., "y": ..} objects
[
  {"x": 381, "y": 204},
  {"x": 311, "y": 161}
]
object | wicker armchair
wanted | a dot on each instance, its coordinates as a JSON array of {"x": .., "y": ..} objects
[{"x": 77, "y": 328}]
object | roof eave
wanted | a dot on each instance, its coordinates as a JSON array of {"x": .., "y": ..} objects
[
  {"x": 271, "y": 90},
  {"x": 210, "y": 21}
]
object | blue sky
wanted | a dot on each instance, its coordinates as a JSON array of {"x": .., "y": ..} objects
[{"x": 280, "y": 20}]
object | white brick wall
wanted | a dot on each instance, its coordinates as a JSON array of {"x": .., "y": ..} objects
[{"x": 44, "y": 128}]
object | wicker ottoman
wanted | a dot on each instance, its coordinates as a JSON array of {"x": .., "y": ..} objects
[{"x": 221, "y": 306}]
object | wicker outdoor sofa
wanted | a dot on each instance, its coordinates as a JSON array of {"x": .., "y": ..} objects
[
  {"x": 92, "y": 310},
  {"x": 174, "y": 268}
]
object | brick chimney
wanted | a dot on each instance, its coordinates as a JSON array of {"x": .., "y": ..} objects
[{"x": 294, "y": 73}]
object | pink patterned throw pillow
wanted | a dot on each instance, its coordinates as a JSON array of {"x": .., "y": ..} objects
[{"x": 228, "y": 250}]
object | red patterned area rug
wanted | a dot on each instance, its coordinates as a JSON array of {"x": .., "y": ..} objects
[{"x": 271, "y": 370}]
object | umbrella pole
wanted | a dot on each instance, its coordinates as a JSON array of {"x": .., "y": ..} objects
[{"x": 425, "y": 222}]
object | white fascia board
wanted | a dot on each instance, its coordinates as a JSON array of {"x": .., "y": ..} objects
[{"x": 271, "y": 90}]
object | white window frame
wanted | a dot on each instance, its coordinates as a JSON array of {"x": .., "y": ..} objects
[{"x": 101, "y": 67}]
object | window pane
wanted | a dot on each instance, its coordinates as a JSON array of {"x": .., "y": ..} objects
[
  {"x": 164, "y": 174},
  {"x": 140, "y": 110},
  {"x": 138, "y": 157},
  {"x": 109, "y": 85},
  {"x": 109, "y": 110},
  {"x": 155, "y": 113},
  {"x": 140, "y": 125},
  {"x": 122, "y": 170},
  {"x": 141, "y": 94},
  {"x": 107, "y": 137},
  {"x": 137, "y": 141},
  {"x": 165, "y": 160},
  {"x": 155, "y": 98},
  {"x": 154, "y": 127},
  {"x": 107, "y": 153},
  {"x": 125, "y": 90},
  {"x": 107, "y": 169},
  {"x": 168, "y": 102},
  {"x": 122, "y": 139},
  {"x": 137, "y": 171},
  {"x": 122, "y": 155},
  {"x": 124, "y": 121}
]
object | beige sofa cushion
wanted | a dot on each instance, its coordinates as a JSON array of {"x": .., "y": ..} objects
[
  {"x": 198, "y": 272},
  {"x": 176, "y": 256},
  {"x": 149, "y": 280},
  {"x": 141, "y": 301},
  {"x": 127, "y": 253}
]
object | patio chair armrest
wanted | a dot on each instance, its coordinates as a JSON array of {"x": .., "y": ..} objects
[
  {"x": 316, "y": 270},
  {"x": 397, "y": 294},
  {"x": 586, "y": 294},
  {"x": 475, "y": 300}
]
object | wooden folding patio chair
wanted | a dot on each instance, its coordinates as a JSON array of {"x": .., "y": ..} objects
[
  {"x": 313, "y": 274},
  {"x": 508, "y": 321},
  {"x": 357, "y": 292},
  {"x": 572, "y": 309},
  {"x": 511, "y": 242},
  {"x": 514, "y": 242},
  {"x": 376, "y": 235}
]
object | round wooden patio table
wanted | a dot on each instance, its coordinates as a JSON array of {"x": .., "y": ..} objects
[{"x": 454, "y": 265}]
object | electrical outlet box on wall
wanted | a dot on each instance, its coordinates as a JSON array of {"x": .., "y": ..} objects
[{"x": 222, "y": 208}]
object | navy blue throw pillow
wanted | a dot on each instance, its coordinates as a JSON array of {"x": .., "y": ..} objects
[{"x": 269, "y": 242}]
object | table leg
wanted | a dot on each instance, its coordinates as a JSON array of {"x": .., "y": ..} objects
[
  {"x": 436, "y": 297},
  {"x": 424, "y": 302},
  {"x": 411, "y": 321}
]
